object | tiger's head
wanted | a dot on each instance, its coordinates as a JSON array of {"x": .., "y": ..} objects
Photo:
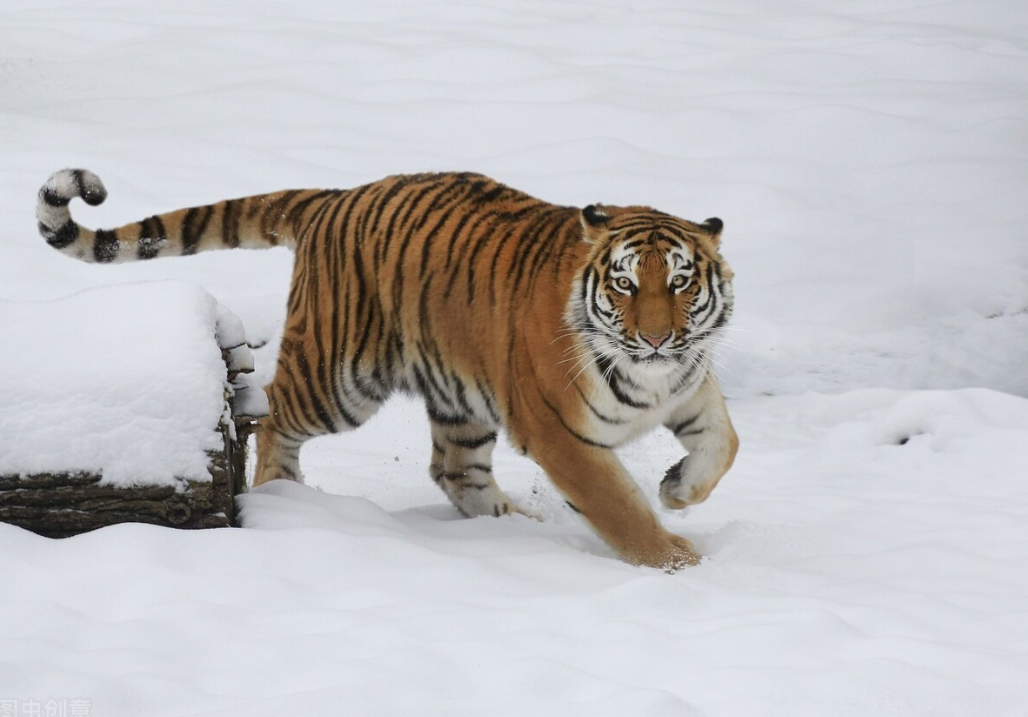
[{"x": 654, "y": 292}]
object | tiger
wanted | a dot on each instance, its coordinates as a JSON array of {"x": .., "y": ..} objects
[{"x": 572, "y": 330}]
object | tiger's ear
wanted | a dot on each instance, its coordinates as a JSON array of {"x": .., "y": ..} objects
[
  {"x": 714, "y": 227},
  {"x": 594, "y": 222}
]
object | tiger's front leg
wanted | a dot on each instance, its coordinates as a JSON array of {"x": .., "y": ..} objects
[
  {"x": 704, "y": 429},
  {"x": 593, "y": 480}
]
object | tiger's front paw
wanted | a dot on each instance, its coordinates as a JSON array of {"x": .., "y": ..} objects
[
  {"x": 676, "y": 554},
  {"x": 682, "y": 554},
  {"x": 671, "y": 552},
  {"x": 682, "y": 487}
]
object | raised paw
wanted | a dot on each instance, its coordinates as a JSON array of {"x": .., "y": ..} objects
[{"x": 681, "y": 487}]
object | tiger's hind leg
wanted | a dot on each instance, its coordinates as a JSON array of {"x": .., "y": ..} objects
[
  {"x": 462, "y": 467},
  {"x": 309, "y": 397},
  {"x": 278, "y": 454}
]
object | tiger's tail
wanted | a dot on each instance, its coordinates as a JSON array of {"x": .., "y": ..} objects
[{"x": 256, "y": 222}]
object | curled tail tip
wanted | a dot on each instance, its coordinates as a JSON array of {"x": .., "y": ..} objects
[
  {"x": 66, "y": 184},
  {"x": 55, "y": 222}
]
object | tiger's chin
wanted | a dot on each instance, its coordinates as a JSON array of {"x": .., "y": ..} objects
[{"x": 655, "y": 364}]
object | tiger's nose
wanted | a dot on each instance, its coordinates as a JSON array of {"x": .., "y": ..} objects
[{"x": 656, "y": 341}]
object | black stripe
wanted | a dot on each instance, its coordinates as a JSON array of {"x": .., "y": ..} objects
[
  {"x": 429, "y": 235},
  {"x": 382, "y": 246},
  {"x": 431, "y": 361},
  {"x": 525, "y": 243},
  {"x": 463, "y": 477},
  {"x": 289, "y": 406},
  {"x": 458, "y": 386},
  {"x": 296, "y": 294},
  {"x": 435, "y": 385},
  {"x": 230, "y": 222},
  {"x": 611, "y": 378},
  {"x": 382, "y": 379},
  {"x": 63, "y": 237},
  {"x": 151, "y": 238},
  {"x": 563, "y": 237},
  {"x": 287, "y": 403},
  {"x": 76, "y": 178},
  {"x": 632, "y": 244},
  {"x": 463, "y": 243},
  {"x": 687, "y": 423},
  {"x": 272, "y": 212},
  {"x": 455, "y": 238},
  {"x": 295, "y": 213},
  {"x": 380, "y": 203},
  {"x": 313, "y": 400},
  {"x": 478, "y": 467},
  {"x": 586, "y": 280},
  {"x": 53, "y": 198},
  {"x": 194, "y": 224},
  {"x": 569, "y": 429},
  {"x": 437, "y": 417},
  {"x": 394, "y": 360},
  {"x": 105, "y": 246},
  {"x": 709, "y": 276},
  {"x": 480, "y": 243},
  {"x": 422, "y": 388},
  {"x": 445, "y": 204},
  {"x": 596, "y": 412},
  {"x": 690, "y": 377},
  {"x": 488, "y": 196},
  {"x": 364, "y": 309},
  {"x": 487, "y": 398},
  {"x": 473, "y": 443},
  {"x": 674, "y": 473},
  {"x": 410, "y": 214},
  {"x": 514, "y": 239}
]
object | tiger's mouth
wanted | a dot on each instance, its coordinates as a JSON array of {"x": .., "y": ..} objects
[{"x": 649, "y": 356}]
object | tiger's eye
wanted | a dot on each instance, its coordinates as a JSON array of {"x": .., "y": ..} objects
[
  {"x": 623, "y": 283},
  {"x": 679, "y": 281}
]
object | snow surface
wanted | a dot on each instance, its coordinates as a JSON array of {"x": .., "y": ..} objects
[
  {"x": 128, "y": 382},
  {"x": 868, "y": 554}
]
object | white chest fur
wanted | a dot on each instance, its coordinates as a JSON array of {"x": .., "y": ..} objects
[{"x": 620, "y": 409}]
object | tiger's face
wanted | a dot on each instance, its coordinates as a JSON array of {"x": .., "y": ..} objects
[{"x": 655, "y": 291}]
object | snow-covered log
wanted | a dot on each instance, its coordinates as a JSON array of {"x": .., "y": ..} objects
[{"x": 124, "y": 404}]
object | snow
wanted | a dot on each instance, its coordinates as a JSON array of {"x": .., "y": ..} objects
[
  {"x": 868, "y": 554},
  {"x": 126, "y": 382}
]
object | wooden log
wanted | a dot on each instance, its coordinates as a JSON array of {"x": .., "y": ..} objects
[{"x": 59, "y": 505}]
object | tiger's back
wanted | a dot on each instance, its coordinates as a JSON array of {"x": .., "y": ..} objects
[
  {"x": 435, "y": 273},
  {"x": 501, "y": 310}
]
